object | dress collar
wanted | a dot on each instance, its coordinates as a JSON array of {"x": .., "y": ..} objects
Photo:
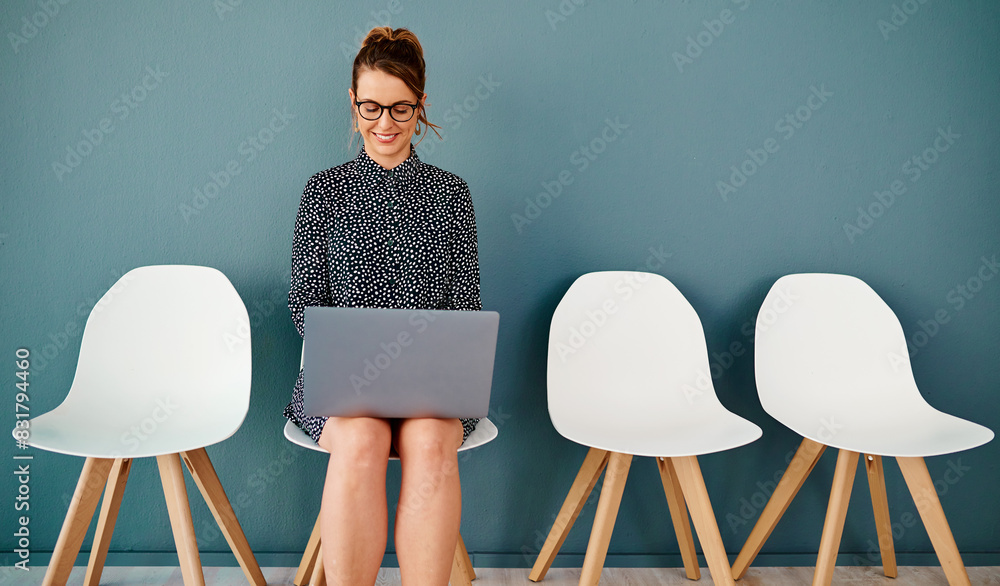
[{"x": 367, "y": 166}]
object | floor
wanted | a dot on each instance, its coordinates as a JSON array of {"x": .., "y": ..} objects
[{"x": 856, "y": 576}]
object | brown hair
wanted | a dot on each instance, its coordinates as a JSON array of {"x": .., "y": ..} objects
[{"x": 397, "y": 53}]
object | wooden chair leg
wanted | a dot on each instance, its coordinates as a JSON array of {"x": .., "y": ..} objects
[
  {"x": 113, "y": 492},
  {"x": 880, "y": 507},
  {"x": 679, "y": 516},
  {"x": 791, "y": 481},
  {"x": 74, "y": 528},
  {"x": 836, "y": 514},
  {"x": 586, "y": 478},
  {"x": 918, "y": 480},
  {"x": 696, "y": 495},
  {"x": 461, "y": 566},
  {"x": 604, "y": 519},
  {"x": 462, "y": 555},
  {"x": 318, "y": 577},
  {"x": 211, "y": 488},
  {"x": 308, "y": 557},
  {"x": 172, "y": 477}
]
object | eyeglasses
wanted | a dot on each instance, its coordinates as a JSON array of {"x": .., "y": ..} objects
[{"x": 400, "y": 112}]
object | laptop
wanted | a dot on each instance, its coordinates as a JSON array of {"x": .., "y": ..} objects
[{"x": 398, "y": 362}]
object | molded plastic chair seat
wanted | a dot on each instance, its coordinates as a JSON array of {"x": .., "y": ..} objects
[
  {"x": 700, "y": 434},
  {"x": 484, "y": 433},
  {"x": 64, "y": 432},
  {"x": 831, "y": 363},
  {"x": 164, "y": 371},
  {"x": 922, "y": 432},
  {"x": 628, "y": 375}
]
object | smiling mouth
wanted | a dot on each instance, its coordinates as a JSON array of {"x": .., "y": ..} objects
[{"x": 384, "y": 137}]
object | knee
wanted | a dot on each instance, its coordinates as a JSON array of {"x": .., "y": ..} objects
[
  {"x": 357, "y": 442},
  {"x": 434, "y": 442}
]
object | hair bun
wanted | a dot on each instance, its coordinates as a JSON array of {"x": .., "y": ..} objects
[
  {"x": 384, "y": 36},
  {"x": 378, "y": 34}
]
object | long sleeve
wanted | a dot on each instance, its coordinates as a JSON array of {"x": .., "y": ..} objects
[
  {"x": 463, "y": 289},
  {"x": 310, "y": 280}
]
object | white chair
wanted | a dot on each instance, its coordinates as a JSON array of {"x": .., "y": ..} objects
[
  {"x": 832, "y": 365},
  {"x": 310, "y": 570},
  {"x": 628, "y": 374},
  {"x": 164, "y": 370}
]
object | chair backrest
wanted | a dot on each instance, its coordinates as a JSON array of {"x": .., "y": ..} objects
[
  {"x": 173, "y": 336},
  {"x": 626, "y": 348},
  {"x": 826, "y": 343}
]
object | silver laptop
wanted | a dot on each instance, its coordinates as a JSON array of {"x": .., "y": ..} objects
[{"x": 398, "y": 362}]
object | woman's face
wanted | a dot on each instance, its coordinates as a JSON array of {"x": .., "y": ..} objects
[{"x": 387, "y": 141}]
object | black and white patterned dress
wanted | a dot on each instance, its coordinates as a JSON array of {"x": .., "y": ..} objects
[{"x": 365, "y": 236}]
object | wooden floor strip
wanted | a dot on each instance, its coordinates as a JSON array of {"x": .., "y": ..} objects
[{"x": 847, "y": 576}]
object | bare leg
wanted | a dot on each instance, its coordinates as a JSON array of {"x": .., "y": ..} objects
[
  {"x": 353, "y": 517},
  {"x": 430, "y": 500}
]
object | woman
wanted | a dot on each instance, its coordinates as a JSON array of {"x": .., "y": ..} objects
[{"x": 386, "y": 230}]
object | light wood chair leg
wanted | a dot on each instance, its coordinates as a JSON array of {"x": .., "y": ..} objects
[
  {"x": 696, "y": 496},
  {"x": 679, "y": 516},
  {"x": 205, "y": 477},
  {"x": 308, "y": 557},
  {"x": 604, "y": 518},
  {"x": 462, "y": 557},
  {"x": 74, "y": 528},
  {"x": 113, "y": 492},
  {"x": 918, "y": 480},
  {"x": 461, "y": 566},
  {"x": 791, "y": 481},
  {"x": 836, "y": 514},
  {"x": 880, "y": 507},
  {"x": 175, "y": 493},
  {"x": 586, "y": 478},
  {"x": 318, "y": 577}
]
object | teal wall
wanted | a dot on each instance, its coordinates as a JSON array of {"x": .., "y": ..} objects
[{"x": 619, "y": 102}]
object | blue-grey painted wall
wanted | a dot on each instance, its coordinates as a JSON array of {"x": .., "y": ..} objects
[{"x": 116, "y": 116}]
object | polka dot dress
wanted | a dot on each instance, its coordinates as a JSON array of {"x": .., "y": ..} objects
[{"x": 365, "y": 236}]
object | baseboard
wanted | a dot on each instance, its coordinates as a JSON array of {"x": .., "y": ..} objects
[{"x": 513, "y": 560}]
